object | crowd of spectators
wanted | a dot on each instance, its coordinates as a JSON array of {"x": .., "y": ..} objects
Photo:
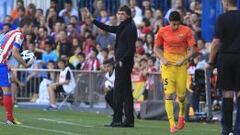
[{"x": 69, "y": 34}]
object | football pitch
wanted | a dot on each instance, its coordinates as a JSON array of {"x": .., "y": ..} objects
[{"x": 39, "y": 122}]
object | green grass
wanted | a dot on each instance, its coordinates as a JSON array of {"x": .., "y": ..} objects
[{"x": 38, "y": 122}]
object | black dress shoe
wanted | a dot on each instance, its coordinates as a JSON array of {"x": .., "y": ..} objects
[
  {"x": 114, "y": 124},
  {"x": 128, "y": 125}
]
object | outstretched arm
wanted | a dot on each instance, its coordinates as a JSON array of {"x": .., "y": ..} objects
[{"x": 112, "y": 29}]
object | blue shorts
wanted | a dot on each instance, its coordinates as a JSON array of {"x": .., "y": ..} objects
[{"x": 4, "y": 76}]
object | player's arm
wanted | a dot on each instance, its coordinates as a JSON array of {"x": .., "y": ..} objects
[
  {"x": 158, "y": 47},
  {"x": 108, "y": 28},
  {"x": 191, "y": 45},
  {"x": 192, "y": 52},
  {"x": 158, "y": 50},
  {"x": 16, "y": 46},
  {"x": 18, "y": 57},
  {"x": 218, "y": 34},
  {"x": 214, "y": 49}
]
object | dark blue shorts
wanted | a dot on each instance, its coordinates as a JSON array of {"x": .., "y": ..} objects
[{"x": 4, "y": 76}]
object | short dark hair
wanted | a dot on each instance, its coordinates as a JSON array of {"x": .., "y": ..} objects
[
  {"x": 174, "y": 16},
  {"x": 62, "y": 60},
  {"x": 146, "y": 21},
  {"x": 55, "y": 1},
  {"x": 105, "y": 50},
  {"x": 153, "y": 59},
  {"x": 68, "y": 2},
  {"x": 41, "y": 10},
  {"x": 95, "y": 50},
  {"x": 44, "y": 28},
  {"x": 90, "y": 37},
  {"x": 74, "y": 16},
  {"x": 109, "y": 61},
  {"x": 126, "y": 9},
  {"x": 51, "y": 61},
  {"x": 21, "y": 9},
  {"x": 48, "y": 43},
  {"x": 26, "y": 21}
]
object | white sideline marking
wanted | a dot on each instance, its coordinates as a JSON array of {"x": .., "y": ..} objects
[
  {"x": 45, "y": 129},
  {"x": 50, "y": 130},
  {"x": 65, "y": 122}
]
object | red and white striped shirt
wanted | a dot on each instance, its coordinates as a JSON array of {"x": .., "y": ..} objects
[{"x": 8, "y": 40}]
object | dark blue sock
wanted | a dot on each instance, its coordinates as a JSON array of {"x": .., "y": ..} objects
[{"x": 227, "y": 113}]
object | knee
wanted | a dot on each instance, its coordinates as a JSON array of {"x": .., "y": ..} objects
[
  {"x": 181, "y": 99},
  {"x": 168, "y": 96}
]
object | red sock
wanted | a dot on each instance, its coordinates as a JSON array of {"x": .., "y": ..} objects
[{"x": 7, "y": 101}]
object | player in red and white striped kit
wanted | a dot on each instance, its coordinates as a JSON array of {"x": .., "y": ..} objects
[{"x": 10, "y": 43}]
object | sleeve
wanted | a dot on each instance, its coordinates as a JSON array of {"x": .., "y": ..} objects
[
  {"x": 190, "y": 38},
  {"x": 112, "y": 29},
  {"x": 158, "y": 38},
  {"x": 18, "y": 41},
  {"x": 68, "y": 76},
  {"x": 218, "y": 32}
]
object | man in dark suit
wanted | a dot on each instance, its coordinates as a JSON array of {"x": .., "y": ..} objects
[{"x": 126, "y": 36}]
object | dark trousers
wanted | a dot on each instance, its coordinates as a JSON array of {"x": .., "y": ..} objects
[
  {"x": 109, "y": 98},
  {"x": 122, "y": 95}
]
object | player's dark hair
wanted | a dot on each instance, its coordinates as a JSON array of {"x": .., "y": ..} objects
[
  {"x": 174, "y": 16},
  {"x": 126, "y": 9}
]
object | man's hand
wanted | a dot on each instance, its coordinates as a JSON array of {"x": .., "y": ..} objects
[{"x": 165, "y": 62}]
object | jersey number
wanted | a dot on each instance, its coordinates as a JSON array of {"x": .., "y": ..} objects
[{"x": 165, "y": 81}]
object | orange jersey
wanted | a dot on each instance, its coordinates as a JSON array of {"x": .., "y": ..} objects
[{"x": 175, "y": 43}]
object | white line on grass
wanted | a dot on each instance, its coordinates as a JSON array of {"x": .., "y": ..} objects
[
  {"x": 48, "y": 130},
  {"x": 89, "y": 126},
  {"x": 65, "y": 122}
]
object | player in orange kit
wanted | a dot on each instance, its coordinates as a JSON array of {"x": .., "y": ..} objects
[{"x": 171, "y": 46}]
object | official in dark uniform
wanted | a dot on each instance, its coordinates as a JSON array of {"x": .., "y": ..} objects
[
  {"x": 226, "y": 43},
  {"x": 126, "y": 36}
]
